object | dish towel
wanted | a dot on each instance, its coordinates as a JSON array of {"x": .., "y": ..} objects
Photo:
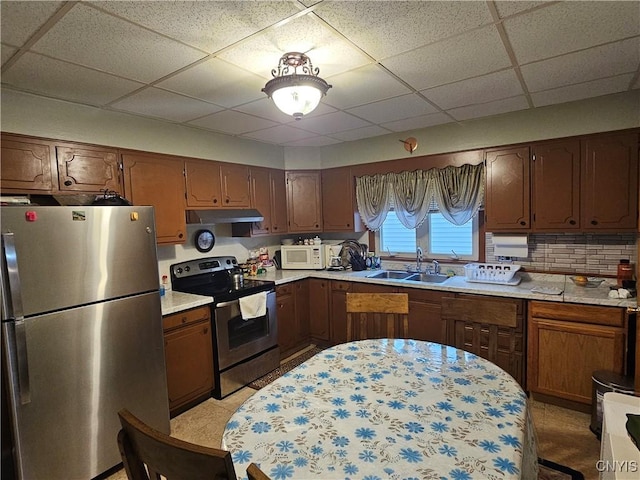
[{"x": 253, "y": 306}]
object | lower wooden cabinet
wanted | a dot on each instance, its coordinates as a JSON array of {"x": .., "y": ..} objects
[
  {"x": 490, "y": 327},
  {"x": 567, "y": 343},
  {"x": 425, "y": 315},
  {"x": 338, "y": 310},
  {"x": 319, "y": 321},
  {"x": 189, "y": 357},
  {"x": 293, "y": 316}
]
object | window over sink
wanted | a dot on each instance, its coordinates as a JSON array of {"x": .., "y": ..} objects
[{"x": 438, "y": 238}]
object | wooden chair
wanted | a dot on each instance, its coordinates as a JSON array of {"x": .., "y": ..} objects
[
  {"x": 370, "y": 309},
  {"x": 254, "y": 473},
  {"x": 142, "y": 446}
]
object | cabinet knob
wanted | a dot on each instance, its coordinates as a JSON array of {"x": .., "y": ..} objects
[
  {"x": 68, "y": 183},
  {"x": 275, "y": 228},
  {"x": 227, "y": 200},
  {"x": 215, "y": 200},
  {"x": 206, "y": 330},
  {"x": 349, "y": 225},
  {"x": 183, "y": 319},
  {"x": 594, "y": 222},
  {"x": 572, "y": 222},
  {"x": 523, "y": 223},
  {"x": 317, "y": 226},
  {"x": 180, "y": 235}
]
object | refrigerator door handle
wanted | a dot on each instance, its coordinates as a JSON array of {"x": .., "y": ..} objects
[{"x": 17, "y": 313}]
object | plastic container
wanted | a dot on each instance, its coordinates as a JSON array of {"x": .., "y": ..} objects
[
  {"x": 625, "y": 271},
  {"x": 603, "y": 382},
  {"x": 490, "y": 272}
]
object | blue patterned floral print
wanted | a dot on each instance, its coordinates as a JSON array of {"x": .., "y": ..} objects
[{"x": 387, "y": 409}]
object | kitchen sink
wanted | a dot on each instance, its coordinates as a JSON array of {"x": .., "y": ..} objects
[
  {"x": 390, "y": 274},
  {"x": 427, "y": 277}
]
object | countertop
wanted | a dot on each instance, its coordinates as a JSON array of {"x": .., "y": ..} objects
[{"x": 175, "y": 301}]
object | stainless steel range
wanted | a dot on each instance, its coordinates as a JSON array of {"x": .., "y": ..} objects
[{"x": 243, "y": 349}]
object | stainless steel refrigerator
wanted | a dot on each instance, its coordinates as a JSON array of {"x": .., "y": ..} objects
[{"x": 81, "y": 334}]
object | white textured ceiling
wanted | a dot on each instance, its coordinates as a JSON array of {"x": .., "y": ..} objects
[{"x": 394, "y": 66}]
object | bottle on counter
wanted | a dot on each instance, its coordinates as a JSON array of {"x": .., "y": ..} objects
[
  {"x": 164, "y": 286},
  {"x": 625, "y": 271}
]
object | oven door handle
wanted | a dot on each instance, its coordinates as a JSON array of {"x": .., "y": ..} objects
[{"x": 227, "y": 304}]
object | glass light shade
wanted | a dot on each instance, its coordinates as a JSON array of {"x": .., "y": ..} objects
[{"x": 297, "y": 100}]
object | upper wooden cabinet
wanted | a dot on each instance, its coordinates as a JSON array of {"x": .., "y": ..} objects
[
  {"x": 158, "y": 181},
  {"x": 28, "y": 164},
  {"x": 304, "y": 201},
  {"x": 507, "y": 193},
  {"x": 339, "y": 211},
  {"x": 87, "y": 169},
  {"x": 610, "y": 182},
  {"x": 268, "y": 196},
  {"x": 212, "y": 184},
  {"x": 555, "y": 188},
  {"x": 33, "y": 165}
]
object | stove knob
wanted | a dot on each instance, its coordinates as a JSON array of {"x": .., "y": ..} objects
[
  {"x": 179, "y": 270},
  {"x": 187, "y": 268}
]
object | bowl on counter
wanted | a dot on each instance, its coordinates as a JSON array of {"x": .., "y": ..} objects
[{"x": 588, "y": 282}]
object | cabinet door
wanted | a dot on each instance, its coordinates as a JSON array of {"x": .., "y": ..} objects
[
  {"x": 189, "y": 358},
  {"x": 278, "y": 202},
  {"x": 88, "y": 169},
  {"x": 159, "y": 182},
  {"x": 235, "y": 185},
  {"x": 339, "y": 212},
  {"x": 556, "y": 185},
  {"x": 564, "y": 355},
  {"x": 610, "y": 182},
  {"x": 304, "y": 197},
  {"x": 261, "y": 199},
  {"x": 339, "y": 291},
  {"x": 507, "y": 201},
  {"x": 425, "y": 315},
  {"x": 203, "y": 183},
  {"x": 319, "y": 292},
  {"x": 27, "y": 164},
  {"x": 286, "y": 319}
]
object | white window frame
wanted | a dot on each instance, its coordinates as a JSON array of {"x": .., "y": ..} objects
[{"x": 423, "y": 241}]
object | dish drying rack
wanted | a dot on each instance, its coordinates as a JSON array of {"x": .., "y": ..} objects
[{"x": 500, "y": 273}]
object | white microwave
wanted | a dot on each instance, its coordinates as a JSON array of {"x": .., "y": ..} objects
[{"x": 302, "y": 257}]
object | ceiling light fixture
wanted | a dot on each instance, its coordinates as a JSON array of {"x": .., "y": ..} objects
[{"x": 296, "y": 94}]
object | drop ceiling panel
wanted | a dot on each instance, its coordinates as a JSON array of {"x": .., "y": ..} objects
[
  {"x": 476, "y": 90},
  {"x": 89, "y": 37},
  {"x": 233, "y": 123},
  {"x": 66, "y": 81},
  {"x": 396, "y": 108},
  {"x": 604, "y": 86},
  {"x": 417, "y": 123},
  {"x": 280, "y": 134},
  {"x": 363, "y": 85},
  {"x": 465, "y": 56},
  {"x": 508, "y": 8},
  {"x": 6, "y": 53},
  {"x": 488, "y": 109},
  {"x": 396, "y": 27},
  {"x": 208, "y": 25},
  {"x": 20, "y": 20},
  {"x": 331, "y": 123},
  {"x": 359, "y": 133},
  {"x": 569, "y": 26},
  {"x": 162, "y": 104},
  {"x": 605, "y": 61},
  {"x": 217, "y": 81}
]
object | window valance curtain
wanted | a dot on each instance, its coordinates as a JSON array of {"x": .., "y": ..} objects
[{"x": 457, "y": 191}]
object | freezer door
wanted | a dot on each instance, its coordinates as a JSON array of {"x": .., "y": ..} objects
[
  {"x": 84, "y": 365},
  {"x": 69, "y": 256}
]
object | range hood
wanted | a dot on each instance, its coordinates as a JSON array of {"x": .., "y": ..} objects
[{"x": 224, "y": 216}]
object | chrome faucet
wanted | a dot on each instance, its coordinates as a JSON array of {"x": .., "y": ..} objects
[
  {"x": 436, "y": 267},
  {"x": 418, "y": 259}
]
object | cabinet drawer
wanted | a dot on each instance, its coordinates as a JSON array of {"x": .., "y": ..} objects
[
  {"x": 475, "y": 310},
  {"x": 187, "y": 317},
  {"x": 428, "y": 296},
  {"x": 611, "y": 316},
  {"x": 340, "y": 286},
  {"x": 286, "y": 289}
]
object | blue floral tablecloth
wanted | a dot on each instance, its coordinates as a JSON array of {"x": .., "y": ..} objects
[{"x": 396, "y": 409}]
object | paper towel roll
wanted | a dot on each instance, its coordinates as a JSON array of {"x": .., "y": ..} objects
[{"x": 510, "y": 246}]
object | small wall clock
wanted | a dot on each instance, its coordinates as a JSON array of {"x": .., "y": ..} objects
[{"x": 204, "y": 240}]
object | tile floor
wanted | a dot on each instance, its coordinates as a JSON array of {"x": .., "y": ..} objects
[{"x": 563, "y": 435}]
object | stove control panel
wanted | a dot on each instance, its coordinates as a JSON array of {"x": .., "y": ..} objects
[{"x": 202, "y": 266}]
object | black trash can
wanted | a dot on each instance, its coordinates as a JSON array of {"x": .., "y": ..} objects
[{"x": 603, "y": 382}]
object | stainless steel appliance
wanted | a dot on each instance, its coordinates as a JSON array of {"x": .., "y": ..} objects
[
  {"x": 243, "y": 349},
  {"x": 81, "y": 334}
]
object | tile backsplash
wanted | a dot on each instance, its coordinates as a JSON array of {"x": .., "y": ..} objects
[{"x": 596, "y": 254}]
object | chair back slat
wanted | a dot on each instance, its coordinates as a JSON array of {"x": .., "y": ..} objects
[{"x": 377, "y": 315}]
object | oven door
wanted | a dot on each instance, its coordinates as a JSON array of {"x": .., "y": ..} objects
[{"x": 237, "y": 339}]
